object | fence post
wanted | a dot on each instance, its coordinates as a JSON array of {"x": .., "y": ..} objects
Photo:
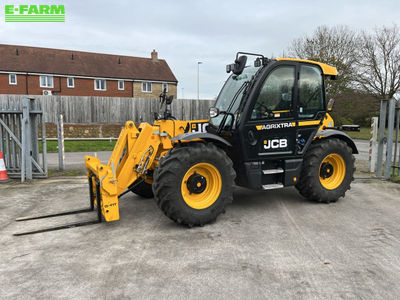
[
  {"x": 372, "y": 144},
  {"x": 389, "y": 145},
  {"x": 381, "y": 138},
  {"x": 396, "y": 169},
  {"x": 60, "y": 134},
  {"x": 26, "y": 172},
  {"x": 33, "y": 130},
  {"x": 44, "y": 143}
]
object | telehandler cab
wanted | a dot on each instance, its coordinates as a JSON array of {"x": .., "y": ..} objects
[{"x": 270, "y": 128}]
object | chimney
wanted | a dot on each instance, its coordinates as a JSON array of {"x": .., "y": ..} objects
[{"x": 154, "y": 55}]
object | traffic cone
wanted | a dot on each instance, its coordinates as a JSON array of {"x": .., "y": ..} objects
[{"x": 3, "y": 171}]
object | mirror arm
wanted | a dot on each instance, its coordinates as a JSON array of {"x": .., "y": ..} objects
[{"x": 222, "y": 124}]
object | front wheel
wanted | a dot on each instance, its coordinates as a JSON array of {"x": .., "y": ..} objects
[
  {"x": 193, "y": 183},
  {"x": 327, "y": 172}
]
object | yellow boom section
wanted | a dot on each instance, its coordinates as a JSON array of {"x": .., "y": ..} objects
[{"x": 137, "y": 151}]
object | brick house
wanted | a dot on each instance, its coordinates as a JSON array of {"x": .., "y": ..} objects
[{"x": 44, "y": 71}]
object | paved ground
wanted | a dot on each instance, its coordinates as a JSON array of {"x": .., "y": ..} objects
[
  {"x": 271, "y": 245},
  {"x": 75, "y": 160}
]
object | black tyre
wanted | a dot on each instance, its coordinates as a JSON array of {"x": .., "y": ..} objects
[
  {"x": 327, "y": 171},
  {"x": 144, "y": 189},
  {"x": 193, "y": 183}
]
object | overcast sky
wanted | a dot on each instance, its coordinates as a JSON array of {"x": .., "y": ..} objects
[{"x": 185, "y": 32}]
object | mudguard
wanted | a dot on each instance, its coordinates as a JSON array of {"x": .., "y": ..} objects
[
  {"x": 332, "y": 133},
  {"x": 200, "y": 135}
]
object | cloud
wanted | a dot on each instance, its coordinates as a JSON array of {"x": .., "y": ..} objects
[{"x": 184, "y": 32}]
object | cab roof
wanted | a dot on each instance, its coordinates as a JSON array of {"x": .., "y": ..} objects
[{"x": 326, "y": 69}]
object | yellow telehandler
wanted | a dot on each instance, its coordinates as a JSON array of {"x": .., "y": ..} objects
[{"x": 270, "y": 128}]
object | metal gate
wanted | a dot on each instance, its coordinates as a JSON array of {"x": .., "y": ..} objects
[
  {"x": 391, "y": 164},
  {"x": 22, "y": 126}
]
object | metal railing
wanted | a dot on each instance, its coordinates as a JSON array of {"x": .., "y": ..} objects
[
  {"x": 388, "y": 163},
  {"x": 21, "y": 127}
]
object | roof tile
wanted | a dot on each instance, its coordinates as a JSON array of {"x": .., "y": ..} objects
[{"x": 79, "y": 63}]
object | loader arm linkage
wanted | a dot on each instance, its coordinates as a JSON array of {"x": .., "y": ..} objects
[
  {"x": 136, "y": 152},
  {"x": 135, "y": 155}
]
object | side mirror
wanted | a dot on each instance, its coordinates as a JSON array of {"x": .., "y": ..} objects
[
  {"x": 238, "y": 67},
  {"x": 331, "y": 102},
  {"x": 169, "y": 99},
  {"x": 213, "y": 112}
]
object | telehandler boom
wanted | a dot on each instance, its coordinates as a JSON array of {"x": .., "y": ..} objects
[{"x": 270, "y": 128}]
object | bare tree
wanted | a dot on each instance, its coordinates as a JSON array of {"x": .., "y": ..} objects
[
  {"x": 379, "y": 62},
  {"x": 337, "y": 46}
]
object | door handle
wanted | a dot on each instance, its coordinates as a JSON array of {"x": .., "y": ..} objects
[{"x": 251, "y": 138}]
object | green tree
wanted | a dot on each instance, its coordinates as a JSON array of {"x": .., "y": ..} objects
[
  {"x": 337, "y": 46},
  {"x": 379, "y": 62}
]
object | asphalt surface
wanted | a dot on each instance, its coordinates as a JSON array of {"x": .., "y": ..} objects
[{"x": 268, "y": 245}]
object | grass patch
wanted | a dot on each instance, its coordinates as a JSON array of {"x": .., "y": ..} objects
[
  {"x": 80, "y": 146},
  {"x": 363, "y": 134},
  {"x": 395, "y": 179}
]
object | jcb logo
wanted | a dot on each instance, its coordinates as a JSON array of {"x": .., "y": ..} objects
[
  {"x": 196, "y": 127},
  {"x": 275, "y": 144}
]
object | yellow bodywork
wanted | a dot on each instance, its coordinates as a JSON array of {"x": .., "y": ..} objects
[
  {"x": 137, "y": 151},
  {"x": 326, "y": 69},
  {"x": 327, "y": 122}
]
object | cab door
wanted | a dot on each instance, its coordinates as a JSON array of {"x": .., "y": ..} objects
[
  {"x": 270, "y": 128},
  {"x": 311, "y": 104}
]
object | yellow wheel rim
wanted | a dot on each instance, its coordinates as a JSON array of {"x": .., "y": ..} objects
[
  {"x": 201, "y": 186},
  {"x": 332, "y": 171}
]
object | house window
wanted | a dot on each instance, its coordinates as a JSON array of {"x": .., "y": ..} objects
[
  {"x": 70, "y": 82},
  {"x": 121, "y": 86},
  {"x": 100, "y": 85},
  {"x": 146, "y": 87},
  {"x": 165, "y": 87},
  {"x": 46, "y": 81},
  {"x": 12, "y": 79}
]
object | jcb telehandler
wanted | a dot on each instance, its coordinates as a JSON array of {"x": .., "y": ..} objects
[{"x": 270, "y": 128}]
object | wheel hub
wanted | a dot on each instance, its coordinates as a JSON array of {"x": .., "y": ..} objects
[
  {"x": 326, "y": 170},
  {"x": 201, "y": 185},
  {"x": 332, "y": 171},
  {"x": 196, "y": 183}
]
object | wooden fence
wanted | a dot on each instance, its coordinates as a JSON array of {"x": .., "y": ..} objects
[{"x": 109, "y": 110}]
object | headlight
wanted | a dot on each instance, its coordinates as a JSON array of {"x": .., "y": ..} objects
[{"x": 213, "y": 112}]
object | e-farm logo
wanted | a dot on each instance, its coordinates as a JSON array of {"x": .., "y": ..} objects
[{"x": 34, "y": 13}]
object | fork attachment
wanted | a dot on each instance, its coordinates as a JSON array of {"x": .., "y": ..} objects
[{"x": 95, "y": 197}]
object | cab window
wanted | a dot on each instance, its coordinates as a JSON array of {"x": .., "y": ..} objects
[
  {"x": 275, "y": 100},
  {"x": 311, "y": 96}
]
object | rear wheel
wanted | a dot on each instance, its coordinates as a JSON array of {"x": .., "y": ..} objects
[
  {"x": 327, "y": 171},
  {"x": 143, "y": 189},
  {"x": 193, "y": 183}
]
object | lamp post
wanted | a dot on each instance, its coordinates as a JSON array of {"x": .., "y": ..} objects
[{"x": 198, "y": 79}]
